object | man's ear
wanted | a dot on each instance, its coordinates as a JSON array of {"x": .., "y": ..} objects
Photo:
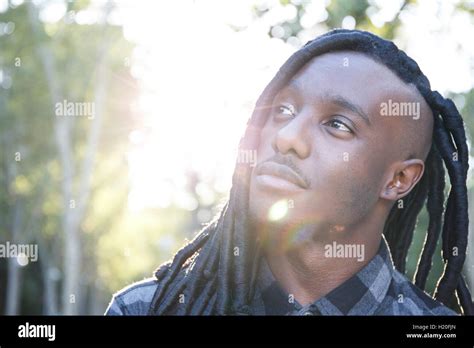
[{"x": 404, "y": 176}]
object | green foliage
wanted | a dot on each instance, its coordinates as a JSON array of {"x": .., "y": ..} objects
[{"x": 28, "y": 121}]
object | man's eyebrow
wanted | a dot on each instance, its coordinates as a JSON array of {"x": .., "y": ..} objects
[
  {"x": 347, "y": 104},
  {"x": 335, "y": 99}
]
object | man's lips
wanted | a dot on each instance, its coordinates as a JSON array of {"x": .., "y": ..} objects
[{"x": 278, "y": 174}]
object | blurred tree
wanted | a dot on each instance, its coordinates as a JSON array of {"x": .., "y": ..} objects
[{"x": 48, "y": 64}]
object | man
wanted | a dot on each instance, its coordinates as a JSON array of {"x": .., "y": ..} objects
[{"x": 350, "y": 142}]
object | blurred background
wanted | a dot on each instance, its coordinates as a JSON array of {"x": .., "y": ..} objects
[{"x": 120, "y": 120}]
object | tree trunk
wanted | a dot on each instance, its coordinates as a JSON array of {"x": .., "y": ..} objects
[
  {"x": 50, "y": 276},
  {"x": 14, "y": 269},
  {"x": 469, "y": 263},
  {"x": 74, "y": 206},
  {"x": 63, "y": 145}
]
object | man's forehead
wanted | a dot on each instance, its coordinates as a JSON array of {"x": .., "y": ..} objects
[
  {"x": 344, "y": 67},
  {"x": 353, "y": 75}
]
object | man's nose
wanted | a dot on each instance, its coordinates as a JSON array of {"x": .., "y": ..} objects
[{"x": 295, "y": 136}]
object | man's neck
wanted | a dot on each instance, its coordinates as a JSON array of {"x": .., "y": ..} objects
[{"x": 313, "y": 267}]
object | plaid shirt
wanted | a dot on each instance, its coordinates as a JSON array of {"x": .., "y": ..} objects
[{"x": 377, "y": 289}]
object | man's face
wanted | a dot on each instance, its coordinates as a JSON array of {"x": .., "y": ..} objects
[{"x": 327, "y": 125}]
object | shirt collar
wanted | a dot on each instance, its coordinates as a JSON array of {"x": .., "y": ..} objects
[{"x": 359, "y": 295}]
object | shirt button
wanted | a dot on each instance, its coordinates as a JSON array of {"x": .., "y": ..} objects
[
  {"x": 207, "y": 274},
  {"x": 307, "y": 313}
]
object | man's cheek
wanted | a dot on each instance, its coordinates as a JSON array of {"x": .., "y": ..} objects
[{"x": 350, "y": 196}]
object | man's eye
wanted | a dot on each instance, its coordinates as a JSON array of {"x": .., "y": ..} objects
[
  {"x": 339, "y": 125},
  {"x": 286, "y": 110}
]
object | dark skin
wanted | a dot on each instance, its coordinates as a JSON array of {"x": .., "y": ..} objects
[{"x": 355, "y": 165}]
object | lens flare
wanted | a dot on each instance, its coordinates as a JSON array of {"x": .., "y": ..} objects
[{"x": 278, "y": 210}]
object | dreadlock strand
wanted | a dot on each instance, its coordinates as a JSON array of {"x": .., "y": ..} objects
[
  {"x": 208, "y": 259},
  {"x": 435, "y": 209},
  {"x": 172, "y": 269},
  {"x": 412, "y": 218},
  {"x": 203, "y": 298},
  {"x": 457, "y": 236},
  {"x": 397, "y": 231},
  {"x": 244, "y": 264},
  {"x": 465, "y": 297}
]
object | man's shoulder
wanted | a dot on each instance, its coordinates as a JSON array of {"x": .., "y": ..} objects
[
  {"x": 134, "y": 299},
  {"x": 405, "y": 298}
]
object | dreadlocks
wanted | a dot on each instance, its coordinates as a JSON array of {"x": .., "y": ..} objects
[{"x": 216, "y": 272}]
